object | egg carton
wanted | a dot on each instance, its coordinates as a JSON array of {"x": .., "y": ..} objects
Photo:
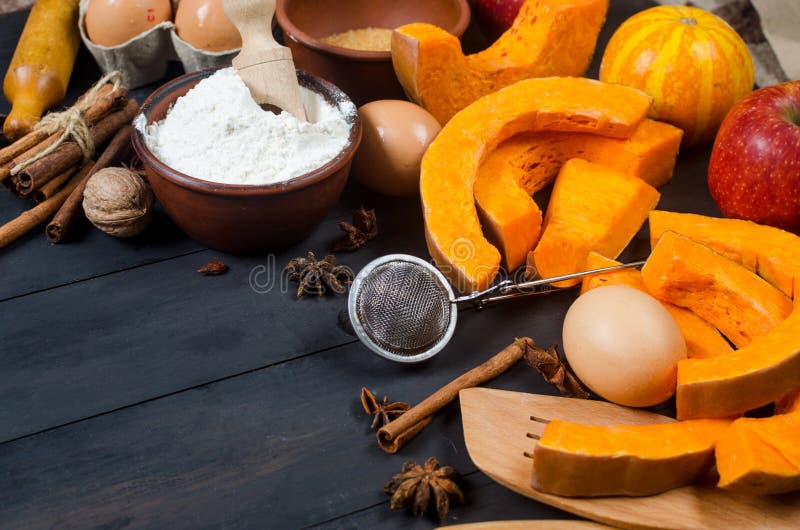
[{"x": 143, "y": 59}]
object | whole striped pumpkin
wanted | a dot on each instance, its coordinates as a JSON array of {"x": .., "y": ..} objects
[{"x": 693, "y": 64}]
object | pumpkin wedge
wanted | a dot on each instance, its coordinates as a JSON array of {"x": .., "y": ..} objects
[
  {"x": 592, "y": 208},
  {"x": 772, "y": 253},
  {"x": 760, "y": 455},
  {"x": 733, "y": 299},
  {"x": 702, "y": 339},
  {"x": 548, "y": 38},
  {"x": 512, "y": 220},
  {"x": 751, "y": 377},
  {"x": 533, "y": 159},
  {"x": 576, "y": 460},
  {"x": 450, "y": 165}
]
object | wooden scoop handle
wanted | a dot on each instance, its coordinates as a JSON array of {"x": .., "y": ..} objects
[
  {"x": 265, "y": 66},
  {"x": 253, "y": 19}
]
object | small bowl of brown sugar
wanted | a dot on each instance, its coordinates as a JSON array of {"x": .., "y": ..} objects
[{"x": 348, "y": 42}]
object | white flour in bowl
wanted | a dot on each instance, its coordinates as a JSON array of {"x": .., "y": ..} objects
[{"x": 216, "y": 132}]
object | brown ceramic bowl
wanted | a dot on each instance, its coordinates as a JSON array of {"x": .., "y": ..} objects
[
  {"x": 245, "y": 218},
  {"x": 364, "y": 75}
]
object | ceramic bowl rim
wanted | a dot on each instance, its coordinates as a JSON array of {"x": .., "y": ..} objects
[
  {"x": 293, "y": 32},
  {"x": 332, "y": 94}
]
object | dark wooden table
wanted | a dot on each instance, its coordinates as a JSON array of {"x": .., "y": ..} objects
[{"x": 136, "y": 393}]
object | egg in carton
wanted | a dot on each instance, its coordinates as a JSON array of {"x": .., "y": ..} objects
[{"x": 139, "y": 38}]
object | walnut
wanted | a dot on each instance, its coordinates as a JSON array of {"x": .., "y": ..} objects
[{"x": 118, "y": 202}]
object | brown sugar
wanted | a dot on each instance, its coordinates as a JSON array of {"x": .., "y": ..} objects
[{"x": 363, "y": 39}]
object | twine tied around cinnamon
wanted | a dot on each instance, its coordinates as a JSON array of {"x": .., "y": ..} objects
[{"x": 70, "y": 123}]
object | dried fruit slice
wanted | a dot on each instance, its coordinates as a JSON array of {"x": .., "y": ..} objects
[
  {"x": 730, "y": 297},
  {"x": 702, "y": 339},
  {"x": 771, "y": 253},
  {"x": 592, "y": 208},
  {"x": 548, "y": 38},
  {"x": 760, "y": 455},
  {"x": 450, "y": 164},
  {"x": 576, "y": 460}
]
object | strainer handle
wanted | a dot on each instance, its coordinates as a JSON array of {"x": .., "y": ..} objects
[{"x": 509, "y": 290}]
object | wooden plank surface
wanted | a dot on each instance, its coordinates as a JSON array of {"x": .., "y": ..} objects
[{"x": 139, "y": 394}]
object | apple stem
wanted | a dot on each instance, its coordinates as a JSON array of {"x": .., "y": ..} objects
[{"x": 690, "y": 21}]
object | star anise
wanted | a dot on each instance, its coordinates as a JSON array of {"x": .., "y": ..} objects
[
  {"x": 415, "y": 485},
  {"x": 319, "y": 276},
  {"x": 382, "y": 412},
  {"x": 555, "y": 371},
  {"x": 363, "y": 228}
]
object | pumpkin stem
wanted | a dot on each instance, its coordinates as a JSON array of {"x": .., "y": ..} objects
[{"x": 691, "y": 21}]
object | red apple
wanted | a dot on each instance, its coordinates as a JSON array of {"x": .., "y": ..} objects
[
  {"x": 494, "y": 17},
  {"x": 754, "y": 172}
]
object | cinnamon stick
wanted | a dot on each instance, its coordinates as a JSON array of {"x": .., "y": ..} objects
[
  {"x": 106, "y": 98},
  {"x": 5, "y": 170},
  {"x": 32, "y": 218},
  {"x": 69, "y": 154},
  {"x": 116, "y": 150},
  {"x": 49, "y": 189},
  {"x": 393, "y": 435}
]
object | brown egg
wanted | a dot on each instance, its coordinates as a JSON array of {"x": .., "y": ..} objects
[
  {"x": 624, "y": 345},
  {"x": 114, "y": 22},
  {"x": 203, "y": 24},
  {"x": 395, "y": 136}
]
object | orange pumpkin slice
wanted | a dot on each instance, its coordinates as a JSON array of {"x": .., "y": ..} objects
[
  {"x": 450, "y": 165},
  {"x": 702, "y": 339},
  {"x": 548, "y": 38},
  {"x": 736, "y": 301},
  {"x": 576, "y": 460},
  {"x": 512, "y": 219},
  {"x": 751, "y": 377},
  {"x": 772, "y": 253},
  {"x": 761, "y": 455},
  {"x": 592, "y": 208}
]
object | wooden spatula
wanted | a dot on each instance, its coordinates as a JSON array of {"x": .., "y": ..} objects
[
  {"x": 500, "y": 430},
  {"x": 265, "y": 66}
]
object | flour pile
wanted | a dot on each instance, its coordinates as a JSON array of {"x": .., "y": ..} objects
[{"x": 216, "y": 132}]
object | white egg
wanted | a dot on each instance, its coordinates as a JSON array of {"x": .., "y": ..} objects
[{"x": 624, "y": 345}]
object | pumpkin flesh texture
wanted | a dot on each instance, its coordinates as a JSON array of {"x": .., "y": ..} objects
[
  {"x": 693, "y": 64},
  {"x": 450, "y": 165},
  {"x": 576, "y": 460},
  {"x": 772, "y": 253},
  {"x": 751, "y": 377},
  {"x": 547, "y": 38},
  {"x": 760, "y": 455},
  {"x": 702, "y": 339},
  {"x": 592, "y": 208},
  {"x": 511, "y": 217},
  {"x": 733, "y": 299}
]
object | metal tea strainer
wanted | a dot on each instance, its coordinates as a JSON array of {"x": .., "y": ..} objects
[{"x": 402, "y": 308}]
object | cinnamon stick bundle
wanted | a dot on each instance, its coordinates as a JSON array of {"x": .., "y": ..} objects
[
  {"x": 118, "y": 147},
  {"x": 107, "y": 98},
  {"x": 5, "y": 171},
  {"x": 69, "y": 154},
  {"x": 49, "y": 189},
  {"x": 394, "y": 435},
  {"x": 32, "y": 218}
]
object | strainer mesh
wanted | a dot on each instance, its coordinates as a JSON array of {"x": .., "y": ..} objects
[{"x": 403, "y": 307}]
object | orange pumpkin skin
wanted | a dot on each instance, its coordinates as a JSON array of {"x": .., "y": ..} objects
[{"x": 693, "y": 64}]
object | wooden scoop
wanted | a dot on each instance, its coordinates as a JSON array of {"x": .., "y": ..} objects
[
  {"x": 265, "y": 66},
  {"x": 500, "y": 429}
]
